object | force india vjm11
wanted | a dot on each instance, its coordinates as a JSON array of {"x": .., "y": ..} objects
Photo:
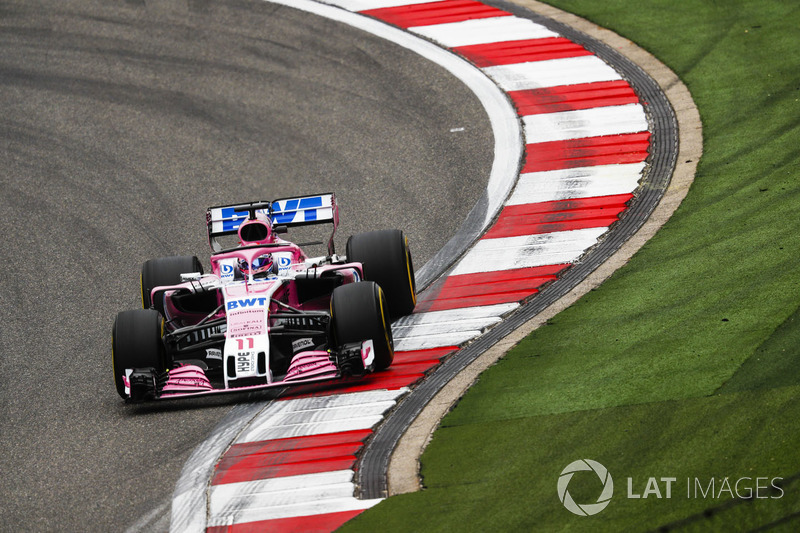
[{"x": 267, "y": 315}]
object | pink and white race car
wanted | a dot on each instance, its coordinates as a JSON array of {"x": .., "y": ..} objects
[{"x": 267, "y": 315}]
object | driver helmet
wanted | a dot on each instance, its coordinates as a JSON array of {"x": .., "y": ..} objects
[{"x": 261, "y": 265}]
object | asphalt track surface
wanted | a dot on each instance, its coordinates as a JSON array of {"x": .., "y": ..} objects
[{"x": 122, "y": 121}]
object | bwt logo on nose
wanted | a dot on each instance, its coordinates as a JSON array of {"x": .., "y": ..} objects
[{"x": 250, "y": 302}]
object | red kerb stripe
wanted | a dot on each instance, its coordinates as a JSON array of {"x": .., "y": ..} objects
[
  {"x": 424, "y": 355},
  {"x": 435, "y": 13},
  {"x": 236, "y": 475},
  {"x": 259, "y": 461},
  {"x": 297, "y": 443},
  {"x": 510, "y": 52},
  {"x": 321, "y": 523},
  {"x": 572, "y": 97},
  {"x": 504, "y": 275},
  {"x": 563, "y": 215},
  {"x": 444, "y": 304},
  {"x": 586, "y": 152},
  {"x": 489, "y": 288}
]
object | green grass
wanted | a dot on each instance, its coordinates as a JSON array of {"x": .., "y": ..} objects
[{"x": 686, "y": 363}]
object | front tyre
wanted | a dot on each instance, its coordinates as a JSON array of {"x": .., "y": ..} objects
[
  {"x": 136, "y": 343},
  {"x": 166, "y": 271},
  {"x": 359, "y": 313},
  {"x": 386, "y": 259}
]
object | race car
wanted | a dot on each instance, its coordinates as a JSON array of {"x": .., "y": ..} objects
[{"x": 267, "y": 315}]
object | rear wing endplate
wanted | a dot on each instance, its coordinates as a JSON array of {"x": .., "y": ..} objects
[{"x": 288, "y": 212}]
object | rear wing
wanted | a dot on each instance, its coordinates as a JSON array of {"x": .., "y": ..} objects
[{"x": 287, "y": 212}]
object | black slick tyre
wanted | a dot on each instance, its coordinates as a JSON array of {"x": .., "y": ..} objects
[
  {"x": 359, "y": 313},
  {"x": 386, "y": 259},
  {"x": 165, "y": 271},
  {"x": 136, "y": 343}
]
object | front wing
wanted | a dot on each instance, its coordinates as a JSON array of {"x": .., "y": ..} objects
[{"x": 190, "y": 380}]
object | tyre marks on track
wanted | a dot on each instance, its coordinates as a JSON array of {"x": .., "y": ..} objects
[{"x": 586, "y": 142}]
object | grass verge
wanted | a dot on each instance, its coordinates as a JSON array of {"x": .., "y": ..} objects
[{"x": 682, "y": 365}]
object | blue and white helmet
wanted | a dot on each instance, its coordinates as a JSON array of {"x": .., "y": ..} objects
[{"x": 261, "y": 265}]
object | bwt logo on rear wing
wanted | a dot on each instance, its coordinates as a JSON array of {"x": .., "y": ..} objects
[
  {"x": 305, "y": 210},
  {"x": 288, "y": 212}
]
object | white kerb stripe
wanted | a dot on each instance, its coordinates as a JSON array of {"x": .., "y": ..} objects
[
  {"x": 451, "y": 327},
  {"x": 291, "y": 511},
  {"x": 422, "y": 330},
  {"x": 528, "y": 251},
  {"x": 435, "y": 341},
  {"x": 229, "y": 504},
  {"x": 551, "y": 73},
  {"x": 483, "y": 31},
  {"x": 331, "y": 413},
  {"x": 319, "y": 415},
  {"x": 595, "y": 122},
  {"x": 312, "y": 428},
  {"x": 584, "y": 182},
  {"x": 338, "y": 400},
  {"x": 450, "y": 315},
  {"x": 227, "y": 491},
  {"x": 363, "y": 5},
  {"x": 226, "y": 498},
  {"x": 315, "y": 422}
]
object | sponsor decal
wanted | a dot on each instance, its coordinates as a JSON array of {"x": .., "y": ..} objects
[
  {"x": 284, "y": 263},
  {"x": 246, "y": 323},
  {"x": 189, "y": 382},
  {"x": 247, "y": 302},
  {"x": 302, "y": 344},
  {"x": 213, "y": 353},
  {"x": 226, "y": 271},
  {"x": 232, "y": 219},
  {"x": 244, "y": 362},
  {"x": 307, "y": 367},
  {"x": 297, "y": 210}
]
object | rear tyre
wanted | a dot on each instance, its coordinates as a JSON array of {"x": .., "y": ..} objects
[
  {"x": 136, "y": 343},
  {"x": 386, "y": 259},
  {"x": 359, "y": 313},
  {"x": 166, "y": 271}
]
